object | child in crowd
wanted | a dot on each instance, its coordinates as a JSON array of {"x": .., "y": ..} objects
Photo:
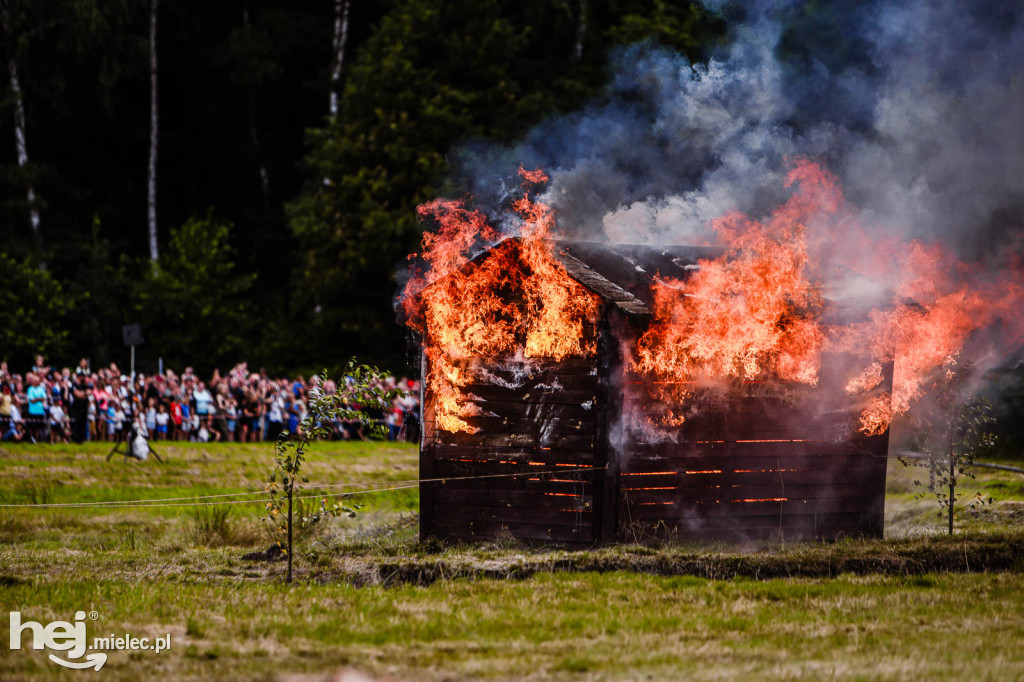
[
  {"x": 176, "y": 418},
  {"x": 111, "y": 420},
  {"x": 119, "y": 420},
  {"x": 231, "y": 407},
  {"x": 185, "y": 432},
  {"x": 161, "y": 419},
  {"x": 151, "y": 417},
  {"x": 58, "y": 423}
]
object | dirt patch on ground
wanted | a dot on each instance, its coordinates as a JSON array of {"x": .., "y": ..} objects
[{"x": 994, "y": 552}]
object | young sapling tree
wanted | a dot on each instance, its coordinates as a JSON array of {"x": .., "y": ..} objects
[
  {"x": 361, "y": 389},
  {"x": 955, "y": 429}
]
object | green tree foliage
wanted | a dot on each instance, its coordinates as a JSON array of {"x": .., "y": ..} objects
[
  {"x": 194, "y": 306},
  {"x": 70, "y": 58},
  {"x": 685, "y": 27},
  {"x": 434, "y": 74},
  {"x": 243, "y": 98},
  {"x": 103, "y": 300},
  {"x": 33, "y": 313}
]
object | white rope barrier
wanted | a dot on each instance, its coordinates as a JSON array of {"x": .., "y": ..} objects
[{"x": 194, "y": 500}]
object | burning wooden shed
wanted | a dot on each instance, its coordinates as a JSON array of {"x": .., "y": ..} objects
[{"x": 582, "y": 436}]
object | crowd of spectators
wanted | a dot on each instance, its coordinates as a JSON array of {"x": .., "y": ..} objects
[{"x": 53, "y": 405}]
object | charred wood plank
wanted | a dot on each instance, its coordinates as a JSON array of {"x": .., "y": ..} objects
[
  {"x": 516, "y": 440},
  {"x": 860, "y": 473},
  {"x": 472, "y": 530},
  {"x": 544, "y": 483},
  {"x": 714, "y": 464},
  {"x": 539, "y": 396},
  {"x": 512, "y": 501},
  {"x": 543, "y": 458},
  {"x": 535, "y": 410},
  {"x": 565, "y": 427},
  {"x": 746, "y": 494},
  {"x": 546, "y": 382},
  {"x": 548, "y": 515},
  {"x": 717, "y": 509}
]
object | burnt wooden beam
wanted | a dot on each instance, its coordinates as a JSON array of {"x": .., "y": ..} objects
[{"x": 608, "y": 290}]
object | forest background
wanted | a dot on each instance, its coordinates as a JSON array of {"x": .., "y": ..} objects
[
  {"x": 294, "y": 140},
  {"x": 265, "y": 210}
]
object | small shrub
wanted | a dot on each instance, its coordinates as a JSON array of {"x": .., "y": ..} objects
[
  {"x": 193, "y": 628},
  {"x": 128, "y": 540},
  {"x": 210, "y": 525},
  {"x": 37, "y": 493}
]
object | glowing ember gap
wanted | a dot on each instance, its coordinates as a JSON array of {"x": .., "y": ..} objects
[{"x": 667, "y": 487}]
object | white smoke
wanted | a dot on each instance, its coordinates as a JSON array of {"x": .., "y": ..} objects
[{"x": 921, "y": 121}]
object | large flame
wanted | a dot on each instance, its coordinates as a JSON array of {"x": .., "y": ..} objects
[
  {"x": 754, "y": 314},
  {"x": 518, "y": 299},
  {"x": 748, "y": 314}
]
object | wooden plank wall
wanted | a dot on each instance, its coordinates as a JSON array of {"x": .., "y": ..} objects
[
  {"x": 760, "y": 469},
  {"x": 736, "y": 490},
  {"x": 521, "y": 471}
]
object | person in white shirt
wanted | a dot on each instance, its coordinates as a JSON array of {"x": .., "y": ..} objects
[
  {"x": 162, "y": 419},
  {"x": 57, "y": 423},
  {"x": 15, "y": 427},
  {"x": 275, "y": 416},
  {"x": 204, "y": 404}
]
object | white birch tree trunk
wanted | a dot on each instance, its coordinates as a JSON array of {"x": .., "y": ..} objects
[
  {"x": 154, "y": 252},
  {"x": 340, "y": 38},
  {"x": 253, "y": 132},
  {"x": 20, "y": 136},
  {"x": 581, "y": 31},
  {"x": 22, "y": 145}
]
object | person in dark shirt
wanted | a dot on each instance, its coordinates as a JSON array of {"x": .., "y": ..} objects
[{"x": 80, "y": 409}]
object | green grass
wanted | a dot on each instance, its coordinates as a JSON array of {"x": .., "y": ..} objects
[
  {"x": 916, "y": 605},
  {"x": 584, "y": 626},
  {"x": 62, "y": 474}
]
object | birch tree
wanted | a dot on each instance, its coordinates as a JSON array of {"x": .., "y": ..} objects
[
  {"x": 154, "y": 252},
  {"x": 340, "y": 38},
  {"x": 20, "y": 135},
  {"x": 581, "y": 31},
  {"x": 253, "y": 131}
]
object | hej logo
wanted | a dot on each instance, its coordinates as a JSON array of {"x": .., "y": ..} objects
[
  {"x": 70, "y": 637},
  {"x": 58, "y": 636}
]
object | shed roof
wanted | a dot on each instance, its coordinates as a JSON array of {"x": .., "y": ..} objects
[{"x": 622, "y": 274}]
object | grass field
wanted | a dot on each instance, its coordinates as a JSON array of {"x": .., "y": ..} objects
[{"x": 915, "y": 605}]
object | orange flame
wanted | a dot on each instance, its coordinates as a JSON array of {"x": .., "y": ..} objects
[
  {"x": 751, "y": 316},
  {"x": 749, "y": 313},
  {"x": 753, "y": 313},
  {"x": 866, "y": 380},
  {"x": 517, "y": 299}
]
